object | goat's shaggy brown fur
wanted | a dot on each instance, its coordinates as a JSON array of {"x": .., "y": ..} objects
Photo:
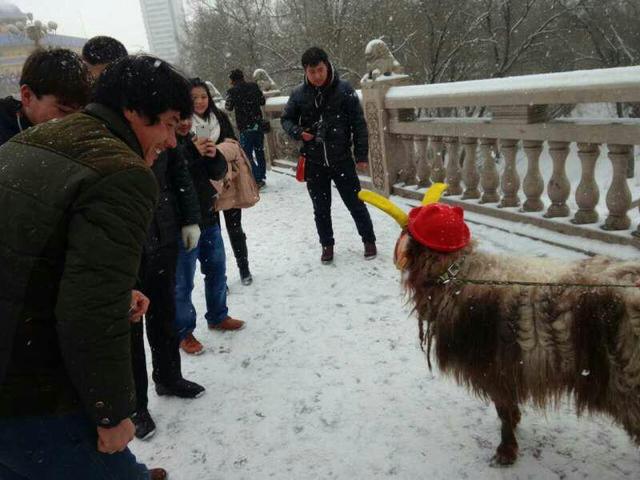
[{"x": 514, "y": 344}]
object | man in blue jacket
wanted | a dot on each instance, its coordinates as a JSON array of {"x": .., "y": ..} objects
[{"x": 325, "y": 113}]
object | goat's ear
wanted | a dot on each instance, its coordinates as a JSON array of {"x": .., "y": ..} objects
[{"x": 400, "y": 255}]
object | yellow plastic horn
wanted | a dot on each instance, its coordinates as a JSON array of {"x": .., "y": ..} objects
[
  {"x": 434, "y": 193},
  {"x": 385, "y": 205}
]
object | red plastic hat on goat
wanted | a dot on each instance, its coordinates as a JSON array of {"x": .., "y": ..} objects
[{"x": 440, "y": 227}]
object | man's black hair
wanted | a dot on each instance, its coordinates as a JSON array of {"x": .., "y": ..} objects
[
  {"x": 58, "y": 72},
  {"x": 198, "y": 82},
  {"x": 236, "y": 75},
  {"x": 145, "y": 84},
  {"x": 313, "y": 56},
  {"x": 100, "y": 50}
]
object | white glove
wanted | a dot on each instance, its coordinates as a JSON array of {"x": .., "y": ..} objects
[{"x": 190, "y": 236}]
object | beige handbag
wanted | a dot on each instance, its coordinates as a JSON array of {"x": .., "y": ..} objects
[{"x": 239, "y": 188}]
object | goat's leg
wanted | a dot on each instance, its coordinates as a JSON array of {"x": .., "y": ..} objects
[{"x": 507, "y": 451}]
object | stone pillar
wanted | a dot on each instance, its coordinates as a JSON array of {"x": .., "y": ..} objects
[
  {"x": 489, "y": 178},
  {"x": 558, "y": 187},
  {"x": 510, "y": 178},
  {"x": 470, "y": 175},
  {"x": 618, "y": 196},
  {"x": 454, "y": 173},
  {"x": 587, "y": 193},
  {"x": 438, "y": 172},
  {"x": 270, "y": 139},
  {"x": 423, "y": 170},
  {"x": 383, "y": 146},
  {"x": 533, "y": 184}
]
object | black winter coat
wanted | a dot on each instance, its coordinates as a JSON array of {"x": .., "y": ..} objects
[
  {"x": 204, "y": 169},
  {"x": 9, "y": 125},
  {"x": 332, "y": 113},
  {"x": 245, "y": 98},
  {"x": 178, "y": 203}
]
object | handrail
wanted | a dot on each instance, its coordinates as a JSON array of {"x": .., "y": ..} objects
[{"x": 584, "y": 86}]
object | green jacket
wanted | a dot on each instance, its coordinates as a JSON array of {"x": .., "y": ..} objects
[{"x": 76, "y": 199}]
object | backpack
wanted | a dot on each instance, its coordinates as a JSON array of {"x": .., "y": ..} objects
[{"x": 238, "y": 189}]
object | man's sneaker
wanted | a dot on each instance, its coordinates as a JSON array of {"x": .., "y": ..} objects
[
  {"x": 370, "y": 251},
  {"x": 158, "y": 474},
  {"x": 145, "y": 426},
  {"x": 327, "y": 255},
  {"x": 261, "y": 184},
  {"x": 181, "y": 388},
  {"x": 227, "y": 324},
  {"x": 191, "y": 345}
]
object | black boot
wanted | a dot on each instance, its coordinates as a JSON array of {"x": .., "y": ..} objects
[
  {"x": 327, "y": 254},
  {"x": 145, "y": 426},
  {"x": 245, "y": 274},
  {"x": 181, "y": 388}
]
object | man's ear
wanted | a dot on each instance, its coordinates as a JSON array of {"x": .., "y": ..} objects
[{"x": 26, "y": 95}]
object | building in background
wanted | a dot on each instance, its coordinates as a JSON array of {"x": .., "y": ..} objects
[
  {"x": 164, "y": 22},
  {"x": 16, "y": 46}
]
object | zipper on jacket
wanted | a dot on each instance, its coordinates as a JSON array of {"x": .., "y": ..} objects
[{"x": 324, "y": 146}]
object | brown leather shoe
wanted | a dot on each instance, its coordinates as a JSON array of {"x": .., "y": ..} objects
[
  {"x": 228, "y": 324},
  {"x": 327, "y": 254},
  {"x": 370, "y": 251},
  {"x": 191, "y": 345},
  {"x": 158, "y": 474}
]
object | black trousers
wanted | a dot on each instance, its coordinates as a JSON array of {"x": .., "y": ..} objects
[
  {"x": 346, "y": 180},
  {"x": 158, "y": 283},
  {"x": 233, "y": 222}
]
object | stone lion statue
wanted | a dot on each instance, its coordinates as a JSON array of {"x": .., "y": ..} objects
[
  {"x": 264, "y": 81},
  {"x": 380, "y": 61}
]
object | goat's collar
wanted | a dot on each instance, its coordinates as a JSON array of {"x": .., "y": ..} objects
[{"x": 451, "y": 272}]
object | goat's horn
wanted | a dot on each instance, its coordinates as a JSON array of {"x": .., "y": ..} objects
[
  {"x": 434, "y": 193},
  {"x": 385, "y": 205}
]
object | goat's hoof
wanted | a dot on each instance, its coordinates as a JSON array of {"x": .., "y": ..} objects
[{"x": 505, "y": 455}]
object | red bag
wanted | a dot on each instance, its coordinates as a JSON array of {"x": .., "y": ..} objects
[{"x": 300, "y": 169}]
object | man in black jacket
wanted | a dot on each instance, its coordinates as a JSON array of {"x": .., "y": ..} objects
[
  {"x": 246, "y": 98},
  {"x": 53, "y": 84},
  {"x": 76, "y": 198},
  {"x": 325, "y": 113}
]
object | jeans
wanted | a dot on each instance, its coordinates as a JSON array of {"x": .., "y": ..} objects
[
  {"x": 158, "y": 282},
  {"x": 60, "y": 448},
  {"x": 253, "y": 141},
  {"x": 210, "y": 252},
  {"x": 319, "y": 186}
]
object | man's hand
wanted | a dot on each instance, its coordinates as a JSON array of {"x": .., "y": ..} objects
[
  {"x": 190, "y": 236},
  {"x": 362, "y": 167},
  {"x": 116, "y": 439},
  {"x": 139, "y": 306},
  {"x": 307, "y": 137}
]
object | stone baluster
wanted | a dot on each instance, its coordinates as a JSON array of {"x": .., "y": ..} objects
[
  {"x": 533, "y": 184},
  {"x": 489, "y": 177},
  {"x": 438, "y": 173},
  {"x": 423, "y": 169},
  {"x": 587, "y": 193},
  {"x": 454, "y": 173},
  {"x": 619, "y": 195},
  {"x": 559, "y": 187},
  {"x": 407, "y": 172},
  {"x": 470, "y": 175},
  {"x": 510, "y": 179}
]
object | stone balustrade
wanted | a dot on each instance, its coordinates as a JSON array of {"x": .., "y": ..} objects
[{"x": 513, "y": 161}]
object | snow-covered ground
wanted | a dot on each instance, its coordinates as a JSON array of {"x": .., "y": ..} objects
[{"x": 328, "y": 380}]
